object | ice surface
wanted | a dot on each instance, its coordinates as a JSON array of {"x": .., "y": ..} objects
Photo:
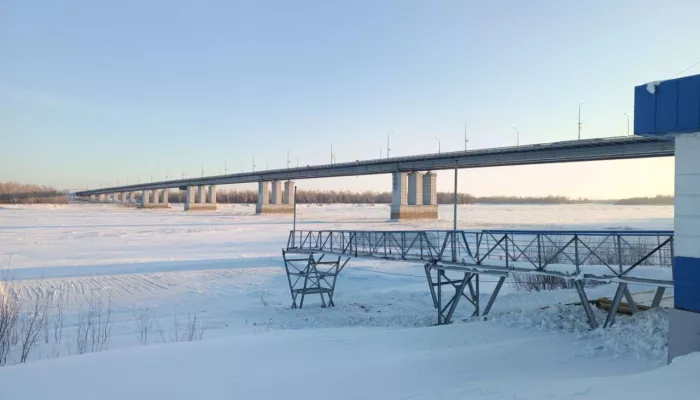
[{"x": 379, "y": 342}]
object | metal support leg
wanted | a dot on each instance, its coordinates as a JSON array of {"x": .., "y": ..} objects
[
  {"x": 476, "y": 299},
  {"x": 610, "y": 319},
  {"x": 658, "y": 296},
  {"x": 455, "y": 299},
  {"x": 430, "y": 284},
  {"x": 586, "y": 305},
  {"x": 630, "y": 301},
  {"x": 306, "y": 280},
  {"x": 494, "y": 295}
]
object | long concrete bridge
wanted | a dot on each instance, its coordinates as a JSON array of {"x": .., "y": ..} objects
[{"x": 414, "y": 181}]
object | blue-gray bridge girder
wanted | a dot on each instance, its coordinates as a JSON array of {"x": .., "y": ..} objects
[{"x": 615, "y": 148}]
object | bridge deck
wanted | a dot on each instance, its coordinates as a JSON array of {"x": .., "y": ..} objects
[{"x": 614, "y": 148}]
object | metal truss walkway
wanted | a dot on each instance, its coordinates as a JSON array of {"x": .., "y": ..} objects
[{"x": 456, "y": 260}]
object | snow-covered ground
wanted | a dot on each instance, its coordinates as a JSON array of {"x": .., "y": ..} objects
[{"x": 159, "y": 269}]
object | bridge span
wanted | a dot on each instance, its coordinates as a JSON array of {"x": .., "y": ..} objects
[{"x": 414, "y": 183}]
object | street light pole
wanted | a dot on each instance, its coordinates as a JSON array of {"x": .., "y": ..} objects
[
  {"x": 380, "y": 151},
  {"x": 579, "y": 120},
  {"x": 387, "y": 144},
  {"x": 465, "y": 137},
  {"x": 253, "y": 163},
  {"x": 517, "y": 137},
  {"x": 628, "y": 124},
  {"x": 438, "y": 140}
]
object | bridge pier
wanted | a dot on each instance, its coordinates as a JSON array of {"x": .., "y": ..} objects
[
  {"x": 414, "y": 196},
  {"x": 196, "y": 198},
  {"x": 156, "y": 198},
  {"x": 277, "y": 202}
]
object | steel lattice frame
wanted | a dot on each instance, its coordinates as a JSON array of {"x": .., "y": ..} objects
[
  {"x": 611, "y": 256},
  {"x": 312, "y": 275}
]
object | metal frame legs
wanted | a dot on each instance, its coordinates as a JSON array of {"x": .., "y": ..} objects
[
  {"x": 314, "y": 277},
  {"x": 467, "y": 279},
  {"x": 586, "y": 304}
]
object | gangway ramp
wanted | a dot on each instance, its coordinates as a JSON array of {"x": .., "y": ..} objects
[{"x": 457, "y": 259}]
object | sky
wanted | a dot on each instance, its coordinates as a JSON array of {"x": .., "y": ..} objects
[{"x": 96, "y": 93}]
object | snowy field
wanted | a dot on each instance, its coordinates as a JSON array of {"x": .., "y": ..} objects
[{"x": 165, "y": 276}]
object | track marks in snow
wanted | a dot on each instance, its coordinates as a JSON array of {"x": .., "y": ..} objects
[{"x": 132, "y": 287}]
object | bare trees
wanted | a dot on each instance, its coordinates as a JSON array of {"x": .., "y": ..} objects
[
  {"x": 9, "y": 315},
  {"x": 18, "y": 193},
  {"x": 33, "y": 322},
  {"x": 94, "y": 326}
]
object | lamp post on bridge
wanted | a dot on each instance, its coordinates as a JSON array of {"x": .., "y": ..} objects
[
  {"x": 517, "y": 137},
  {"x": 628, "y": 124},
  {"x": 387, "y": 143},
  {"x": 579, "y": 120},
  {"x": 438, "y": 140},
  {"x": 465, "y": 137},
  {"x": 380, "y": 150}
]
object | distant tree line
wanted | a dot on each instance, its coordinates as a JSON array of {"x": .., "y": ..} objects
[
  {"x": 370, "y": 197},
  {"x": 18, "y": 193},
  {"x": 658, "y": 200}
]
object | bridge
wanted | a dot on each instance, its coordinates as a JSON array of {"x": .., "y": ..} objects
[{"x": 413, "y": 190}]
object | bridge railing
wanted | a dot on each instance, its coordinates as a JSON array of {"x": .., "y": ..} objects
[{"x": 634, "y": 256}]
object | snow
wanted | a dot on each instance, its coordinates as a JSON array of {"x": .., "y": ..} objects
[
  {"x": 651, "y": 86},
  {"x": 225, "y": 267},
  {"x": 462, "y": 361}
]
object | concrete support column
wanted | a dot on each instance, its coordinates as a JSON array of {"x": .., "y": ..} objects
[
  {"x": 263, "y": 197},
  {"x": 202, "y": 194},
  {"x": 289, "y": 192},
  {"x": 430, "y": 188},
  {"x": 145, "y": 198},
  {"x": 92, "y": 198},
  {"x": 276, "y": 193},
  {"x": 155, "y": 196},
  {"x": 189, "y": 197},
  {"x": 399, "y": 193},
  {"x": 415, "y": 189},
  {"x": 212, "y": 194},
  {"x": 164, "y": 198},
  {"x": 101, "y": 198}
]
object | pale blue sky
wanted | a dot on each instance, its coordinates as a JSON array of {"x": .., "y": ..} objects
[{"x": 92, "y": 92}]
